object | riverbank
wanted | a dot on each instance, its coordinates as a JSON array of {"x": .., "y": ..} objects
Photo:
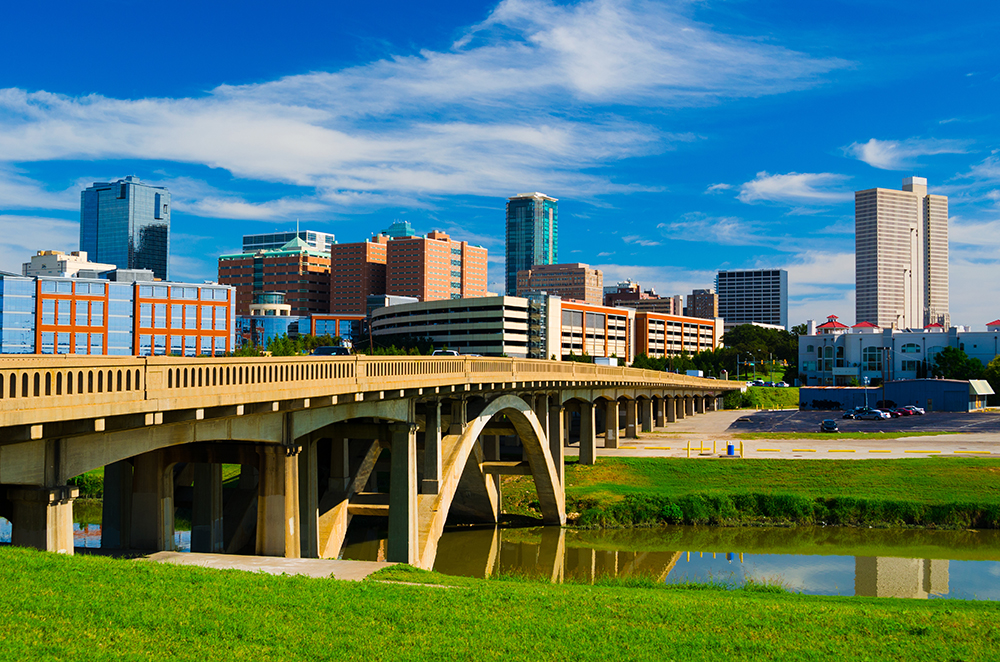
[
  {"x": 631, "y": 491},
  {"x": 58, "y": 607}
]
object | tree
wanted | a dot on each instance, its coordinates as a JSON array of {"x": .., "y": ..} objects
[
  {"x": 953, "y": 363},
  {"x": 992, "y": 375},
  {"x": 800, "y": 329}
]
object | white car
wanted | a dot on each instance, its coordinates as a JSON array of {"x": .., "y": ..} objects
[
  {"x": 873, "y": 415},
  {"x": 914, "y": 410}
]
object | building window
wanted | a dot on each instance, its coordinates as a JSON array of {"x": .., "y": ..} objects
[
  {"x": 910, "y": 348},
  {"x": 871, "y": 358}
]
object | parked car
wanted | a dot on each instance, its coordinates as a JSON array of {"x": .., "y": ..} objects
[
  {"x": 829, "y": 425},
  {"x": 914, "y": 410},
  {"x": 445, "y": 352},
  {"x": 901, "y": 411},
  {"x": 856, "y": 412},
  {"x": 873, "y": 415},
  {"x": 781, "y": 385},
  {"x": 330, "y": 351}
]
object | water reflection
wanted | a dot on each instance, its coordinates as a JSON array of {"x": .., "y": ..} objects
[
  {"x": 88, "y": 536},
  {"x": 824, "y": 561}
]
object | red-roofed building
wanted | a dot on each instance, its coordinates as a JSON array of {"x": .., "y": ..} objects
[
  {"x": 993, "y": 326},
  {"x": 832, "y": 326}
]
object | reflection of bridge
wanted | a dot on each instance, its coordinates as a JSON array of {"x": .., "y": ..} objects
[{"x": 310, "y": 436}]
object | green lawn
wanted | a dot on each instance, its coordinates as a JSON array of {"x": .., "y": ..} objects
[
  {"x": 953, "y": 492},
  {"x": 90, "y": 608}
]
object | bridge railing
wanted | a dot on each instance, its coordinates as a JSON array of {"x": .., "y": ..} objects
[{"x": 115, "y": 385}]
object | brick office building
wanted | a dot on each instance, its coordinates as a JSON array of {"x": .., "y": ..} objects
[{"x": 297, "y": 270}]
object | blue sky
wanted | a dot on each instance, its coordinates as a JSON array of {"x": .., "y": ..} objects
[{"x": 679, "y": 137}]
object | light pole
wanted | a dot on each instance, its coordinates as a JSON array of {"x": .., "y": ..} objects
[{"x": 865, "y": 381}]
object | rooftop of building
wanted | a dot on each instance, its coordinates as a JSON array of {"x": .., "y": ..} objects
[{"x": 536, "y": 194}]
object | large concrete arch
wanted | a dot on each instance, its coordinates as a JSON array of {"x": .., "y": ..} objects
[{"x": 433, "y": 509}]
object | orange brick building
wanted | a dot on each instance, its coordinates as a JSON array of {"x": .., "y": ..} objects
[
  {"x": 297, "y": 270},
  {"x": 435, "y": 267},
  {"x": 356, "y": 270}
]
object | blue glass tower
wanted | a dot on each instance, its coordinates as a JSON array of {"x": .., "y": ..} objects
[
  {"x": 126, "y": 223},
  {"x": 532, "y": 234}
]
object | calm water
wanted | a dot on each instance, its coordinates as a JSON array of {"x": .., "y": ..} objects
[{"x": 815, "y": 560}]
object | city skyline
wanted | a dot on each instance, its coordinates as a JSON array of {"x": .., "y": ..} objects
[{"x": 680, "y": 138}]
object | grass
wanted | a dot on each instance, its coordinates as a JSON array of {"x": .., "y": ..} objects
[
  {"x": 952, "y": 492},
  {"x": 85, "y": 608},
  {"x": 838, "y": 435},
  {"x": 763, "y": 397}
]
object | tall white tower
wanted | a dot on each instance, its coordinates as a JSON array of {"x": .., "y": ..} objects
[{"x": 901, "y": 256}]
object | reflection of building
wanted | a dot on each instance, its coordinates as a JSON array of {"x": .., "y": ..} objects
[
  {"x": 63, "y": 265},
  {"x": 130, "y": 315},
  {"x": 753, "y": 295},
  {"x": 901, "y": 258},
  {"x": 127, "y": 223},
  {"x": 568, "y": 281},
  {"x": 885, "y": 577},
  {"x": 532, "y": 234}
]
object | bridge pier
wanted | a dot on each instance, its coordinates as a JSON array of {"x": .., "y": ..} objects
[
  {"x": 661, "y": 407},
  {"x": 278, "y": 531},
  {"x": 116, "y": 510},
  {"x": 43, "y": 517},
  {"x": 647, "y": 415},
  {"x": 588, "y": 433},
  {"x": 308, "y": 459},
  {"x": 206, "y": 509},
  {"x": 681, "y": 407},
  {"x": 403, "y": 542},
  {"x": 152, "y": 503},
  {"x": 699, "y": 404},
  {"x": 631, "y": 411},
  {"x": 431, "y": 482},
  {"x": 611, "y": 424},
  {"x": 689, "y": 406},
  {"x": 556, "y": 441},
  {"x": 671, "y": 407}
]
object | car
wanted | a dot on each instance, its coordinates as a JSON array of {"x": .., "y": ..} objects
[
  {"x": 445, "y": 352},
  {"x": 829, "y": 425},
  {"x": 873, "y": 415},
  {"x": 914, "y": 410},
  {"x": 901, "y": 411},
  {"x": 330, "y": 351},
  {"x": 856, "y": 412},
  {"x": 757, "y": 382},
  {"x": 769, "y": 384},
  {"x": 781, "y": 385}
]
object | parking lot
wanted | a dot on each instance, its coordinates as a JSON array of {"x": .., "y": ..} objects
[{"x": 808, "y": 421}]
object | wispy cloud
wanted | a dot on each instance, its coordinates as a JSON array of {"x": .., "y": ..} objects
[
  {"x": 482, "y": 117},
  {"x": 902, "y": 154},
  {"x": 723, "y": 230},
  {"x": 639, "y": 240},
  {"x": 18, "y": 191},
  {"x": 24, "y": 235},
  {"x": 719, "y": 188},
  {"x": 796, "y": 188}
]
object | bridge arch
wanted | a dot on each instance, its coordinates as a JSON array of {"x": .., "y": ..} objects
[{"x": 433, "y": 511}]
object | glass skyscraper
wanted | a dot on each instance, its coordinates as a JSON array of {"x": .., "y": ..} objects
[
  {"x": 532, "y": 234},
  {"x": 126, "y": 223}
]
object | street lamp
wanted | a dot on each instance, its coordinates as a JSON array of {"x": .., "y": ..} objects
[{"x": 865, "y": 381}]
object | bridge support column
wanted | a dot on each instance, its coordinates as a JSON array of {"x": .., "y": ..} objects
[
  {"x": 689, "y": 406},
  {"x": 631, "y": 411},
  {"x": 680, "y": 401},
  {"x": 542, "y": 411},
  {"x": 647, "y": 415},
  {"x": 699, "y": 404},
  {"x": 661, "y": 406},
  {"x": 116, "y": 510},
  {"x": 588, "y": 433},
  {"x": 206, "y": 509},
  {"x": 43, "y": 517},
  {"x": 340, "y": 464},
  {"x": 152, "y": 503},
  {"x": 278, "y": 503},
  {"x": 403, "y": 540},
  {"x": 556, "y": 441},
  {"x": 432, "y": 448},
  {"x": 611, "y": 424},
  {"x": 671, "y": 407},
  {"x": 491, "y": 453},
  {"x": 309, "y": 499}
]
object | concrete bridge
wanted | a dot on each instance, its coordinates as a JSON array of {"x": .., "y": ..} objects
[{"x": 310, "y": 436}]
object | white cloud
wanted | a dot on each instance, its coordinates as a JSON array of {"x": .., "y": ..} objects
[
  {"x": 483, "y": 117},
  {"x": 20, "y": 192},
  {"x": 723, "y": 230},
  {"x": 23, "y": 236},
  {"x": 718, "y": 188},
  {"x": 796, "y": 187},
  {"x": 902, "y": 154},
  {"x": 639, "y": 240}
]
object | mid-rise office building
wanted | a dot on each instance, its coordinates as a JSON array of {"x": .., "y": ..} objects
[
  {"x": 901, "y": 256},
  {"x": 124, "y": 317},
  {"x": 296, "y": 270},
  {"x": 63, "y": 265},
  {"x": 702, "y": 303},
  {"x": 434, "y": 267},
  {"x": 753, "y": 295},
  {"x": 127, "y": 223},
  {"x": 567, "y": 281},
  {"x": 357, "y": 270},
  {"x": 628, "y": 294},
  {"x": 268, "y": 241},
  {"x": 532, "y": 234}
]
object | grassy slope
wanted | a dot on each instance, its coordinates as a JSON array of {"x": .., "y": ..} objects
[{"x": 96, "y": 608}]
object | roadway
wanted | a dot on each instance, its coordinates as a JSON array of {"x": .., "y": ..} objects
[{"x": 962, "y": 435}]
